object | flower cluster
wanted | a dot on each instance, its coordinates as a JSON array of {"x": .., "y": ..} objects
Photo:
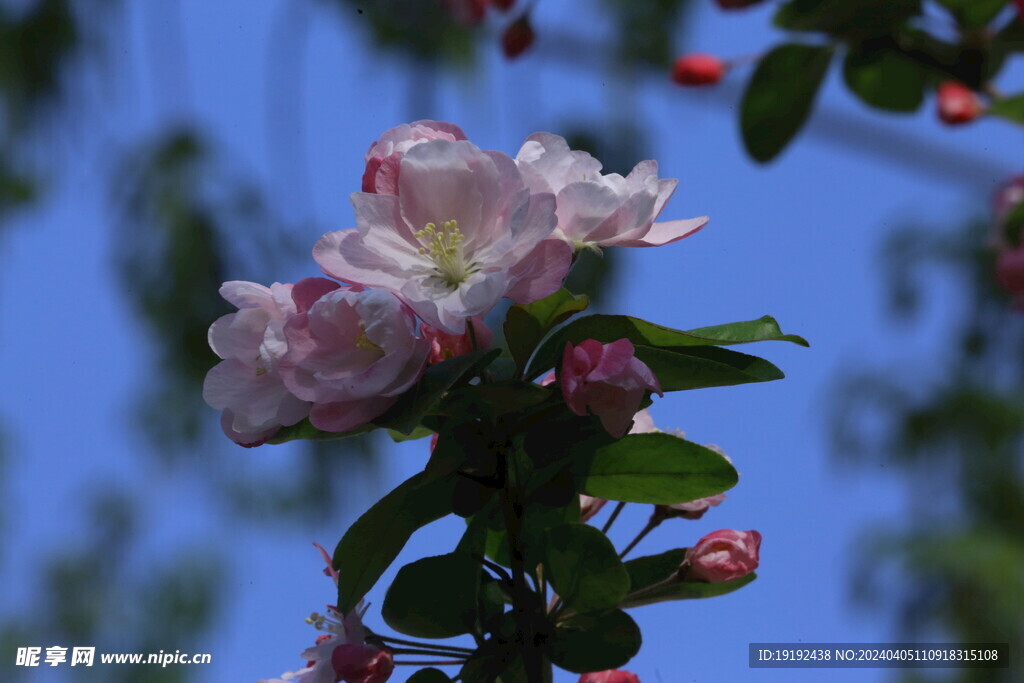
[{"x": 444, "y": 232}]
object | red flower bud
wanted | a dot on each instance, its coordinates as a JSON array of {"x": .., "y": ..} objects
[
  {"x": 1010, "y": 273},
  {"x": 362, "y": 663},
  {"x": 518, "y": 37},
  {"x": 740, "y": 4},
  {"x": 957, "y": 103},
  {"x": 610, "y": 676},
  {"x": 698, "y": 69}
]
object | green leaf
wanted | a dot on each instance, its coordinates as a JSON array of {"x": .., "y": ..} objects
[
  {"x": 609, "y": 328},
  {"x": 527, "y": 324},
  {"x": 429, "y": 676},
  {"x": 1011, "y": 37},
  {"x": 420, "y": 432},
  {"x": 708, "y": 366},
  {"x": 780, "y": 96},
  {"x": 435, "y": 597},
  {"x": 1011, "y": 108},
  {"x": 306, "y": 431},
  {"x": 373, "y": 542},
  {"x": 656, "y": 468},
  {"x": 885, "y": 79},
  {"x": 646, "y": 573},
  {"x": 849, "y": 18},
  {"x": 595, "y": 642},
  {"x": 972, "y": 14},
  {"x": 491, "y": 401},
  {"x": 405, "y": 415},
  {"x": 584, "y": 568}
]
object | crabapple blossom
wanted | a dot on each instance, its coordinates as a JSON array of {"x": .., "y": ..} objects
[
  {"x": 698, "y": 69},
  {"x": 246, "y": 384},
  {"x": 610, "y": 676},
  {"x": 444, "y": 345},
  {"x": 957, "y": 103},
  {"x": 351, "y": 355},
  {"x": 463, "y": 232},
  {"x": 606, "y": 379},
  {"x": 383, "y": 159},
  {"x": 723, "y": 555},
  {"x": 596, "y": 210},
  {"x": 341, "y": 630}
]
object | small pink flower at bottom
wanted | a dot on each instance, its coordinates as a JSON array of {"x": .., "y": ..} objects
[
  {"x": 610, "y": 676},
  {"x": 723, "y": 555},
  {"x": 362, "y": 663},
  {"x": 444, "y": 345},
  {"x": 606, "y": 380}
]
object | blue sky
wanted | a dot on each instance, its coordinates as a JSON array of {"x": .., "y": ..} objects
[{"x": 798, "y": 240}]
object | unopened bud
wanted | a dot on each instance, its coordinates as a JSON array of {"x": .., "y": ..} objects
[
  {"x": 518, "y": 37},
  {"x": 957, "y": 103},
  {"x": 698, "y": 69}
]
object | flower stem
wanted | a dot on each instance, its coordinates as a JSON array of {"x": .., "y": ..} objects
[
  {"x": 458, "y": 662},
  {"x": 611, "y": 520},
  {"x": 432, "y": 653},
  {"x": 433, "y": 646},
  {"x": 652, "y": 524},
  {"x": 522, "y": 596}
]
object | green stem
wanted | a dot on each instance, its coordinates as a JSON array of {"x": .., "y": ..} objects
[
  {"x": 652, "y": 524},
  {"x": 426, "y": 646},
  {"x": 611, "y": 520},
  {"x": 431, "y": 653},
  {"x": 522, "y": 596}
]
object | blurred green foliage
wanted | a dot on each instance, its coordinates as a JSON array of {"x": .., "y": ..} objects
[{"x": 955, "y": 428}]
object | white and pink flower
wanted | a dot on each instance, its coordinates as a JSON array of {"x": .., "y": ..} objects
[
  {"x": 246, "y": 384},
  {"x": 462, "y": 232},
  {"x": 351, "y": 355},
  {"x": 383, "y": 159},
  {"x": 341, "y": 653},
  {"x": 723, "y": 555},
  {"x": 596, "y": 210},
  {"x": 590, "y": 506},
  {"x": 606, "y": 380}
]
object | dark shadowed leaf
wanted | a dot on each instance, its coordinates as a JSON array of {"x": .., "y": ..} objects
[
  {"x": 584, "y": 568},
  {"x": 435, "y": 597},
  {"x": 650, "y": 574},
  {"x": 595, "y": 642},
  {"x": 527, "y": 324},
  {"x": 885, "y": 79},
  {"x": 780, "y": 96}
]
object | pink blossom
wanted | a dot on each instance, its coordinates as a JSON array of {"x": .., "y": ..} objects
[
  {"x": 340, "y": 630},
  {"x": 463, "y": 232},
  {"x": 383, "y": 159},
  {"x": 362, "y": 663},
  {"x": 610, "y": 676},
  {"x": 444, "y": 345},
  {"x": 351, "y": 355},
  {"x": 246, "y": 384},
  {"x": 958, "y": 104},
  {"x": 590, "y": 506},
  {"x": 596, "y": 210},
  {"x": 723, "y": 555},
  {"x": 694, "y": 509},
  {"x": 608, "y": 380}
]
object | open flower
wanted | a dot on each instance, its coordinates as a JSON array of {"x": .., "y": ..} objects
[
  {"x": 597, "y": 210},
  {"x": 723, "y": 555},
  {"x": 246, "y": 384},
  {"x": 463, "y": 232},
  {"x": 351, "y": 355},
  {"x": 383, "y": 159},
  {"x": 341, "y": 631},
  {"x": 607, "y": 380}
]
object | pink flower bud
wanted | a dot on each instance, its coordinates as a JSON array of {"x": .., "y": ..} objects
[
  {"x": 1010, "y": 273},
  {"x": 608, "y": 380},
  {"x": 362, "y": 663},
  {"x": 736, "y": 4},
  {"x": 698, "y": 69},
  {"x": 610, "y": 676},
  {"x": 518, "y": 37},
  {"x": 723, "y": 555},
  {"x": 957, "y": 103},
  {"x": 590, "y": 506},
  {"x": 444, "y": 345}
]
